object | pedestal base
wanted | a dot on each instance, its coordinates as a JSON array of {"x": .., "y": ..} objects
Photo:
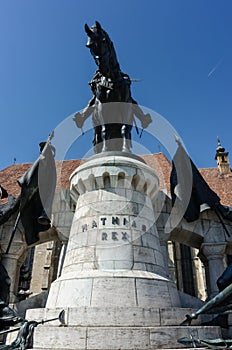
[
  {"x": 112, "y": 288},
  {"x": 117, "y": 328},
  {"x": 123, "y": 338}
]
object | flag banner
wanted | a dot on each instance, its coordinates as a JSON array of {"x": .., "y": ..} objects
[
  {"x": 189, "y": 187},
  {"x": 37, "y": 192},
  {"x": 8, "y": 208},
  {"x": 3, "y": 193},
  {"x": 5, "y": 286}
]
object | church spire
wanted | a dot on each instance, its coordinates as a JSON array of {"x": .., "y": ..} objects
[{"x": 222, "y": 159}]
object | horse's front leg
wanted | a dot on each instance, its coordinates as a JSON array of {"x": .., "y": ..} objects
[
  {"x": 105, "y": 133},
  {"x": 97, "y": 140},
  {"x": 126, "y": 137}
]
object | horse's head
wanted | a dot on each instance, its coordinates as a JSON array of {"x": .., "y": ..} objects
[{"x": 101, "y": 48}]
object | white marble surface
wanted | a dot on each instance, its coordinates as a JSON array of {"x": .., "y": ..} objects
[{"x": 124, "y": 338}]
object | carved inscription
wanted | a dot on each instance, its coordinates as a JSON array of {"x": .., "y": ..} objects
[
  {"x": 84, "y": 227},
  {"x": 114, "y": 227},
  {"x": 94, "y": 224},
  {"x": 104, "y": 236},
  {"x": 116, "y": 221},
  {"x": 115, "y": 236}
]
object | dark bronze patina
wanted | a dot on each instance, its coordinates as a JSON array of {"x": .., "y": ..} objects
[
  {"x": 112, "y": 106},
  {"x": 221, "y": 304},
  {"x": 8, "y": 317},
  {"x": 24, "y": 339}
]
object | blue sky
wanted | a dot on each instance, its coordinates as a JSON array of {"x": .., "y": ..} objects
[{"x": 180, "y": 49}]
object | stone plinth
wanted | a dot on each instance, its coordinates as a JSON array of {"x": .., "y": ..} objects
[
  {"x": 113, "y": 286},
  {"x": 124, "y": 338},
  {"x": 117, "y": 328},
  {"x": 113, "y": 256}
]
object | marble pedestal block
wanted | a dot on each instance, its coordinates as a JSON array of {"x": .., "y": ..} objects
[
  {"x": 113, "y": 285},
  {"x": 113, "y": 255}
]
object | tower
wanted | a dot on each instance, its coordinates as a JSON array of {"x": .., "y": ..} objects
[{"x": 222, "y": 159}]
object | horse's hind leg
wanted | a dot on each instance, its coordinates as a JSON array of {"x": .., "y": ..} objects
[
  {"x": 105, "y": 137},
  {"x": 126, "y": 137},
  {"x": 97, "y": 140}
]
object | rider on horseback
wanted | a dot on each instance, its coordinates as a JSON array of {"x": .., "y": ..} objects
[{"x": 112, "y": 106}]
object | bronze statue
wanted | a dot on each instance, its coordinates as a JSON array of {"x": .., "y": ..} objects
[
  {"x": 8, "y": 317},
  {"x": 215, "y": 344},
  {"x": 221, "y": 304},
  {"x": 5, "y": 286},
  {"x": 24, "y": 339},
  {"x": 112, "y": 106}
]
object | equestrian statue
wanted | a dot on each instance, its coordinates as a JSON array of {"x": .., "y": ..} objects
[{"x": 112, "y": 106}]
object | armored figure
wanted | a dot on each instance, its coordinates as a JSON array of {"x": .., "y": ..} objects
[
  {"x": 24, "y": 339},
  {"x": 221, "y": 304},
  {"x": 8, "y": 317},
  {"x": 112, "y": 106}
]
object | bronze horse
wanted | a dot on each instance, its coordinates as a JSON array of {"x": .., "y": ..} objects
[{"x": 112, "y": 106}]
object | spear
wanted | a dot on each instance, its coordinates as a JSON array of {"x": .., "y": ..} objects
[
  {"x": 60, "y": 318},
  {"x": 13, "y": 233},
  {"x": 214, "y": 305}
]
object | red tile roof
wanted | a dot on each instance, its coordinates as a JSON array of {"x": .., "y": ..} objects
[
  {"x": 221, "y": 184},
  {"x": 10, "y": 175}
]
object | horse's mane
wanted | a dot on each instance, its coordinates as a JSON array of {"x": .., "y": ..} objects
[{"x": 113, "y": 57}]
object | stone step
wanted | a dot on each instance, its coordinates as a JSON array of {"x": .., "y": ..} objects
[
  {"x": 130, "y": 349},
  {"x": 111, "y": 316},
  {"x": 123, "y": 338}
]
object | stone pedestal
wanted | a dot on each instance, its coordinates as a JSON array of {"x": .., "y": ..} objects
[
  {"x": 113, "y": 256},
  {"x": 113, "y": 286}
]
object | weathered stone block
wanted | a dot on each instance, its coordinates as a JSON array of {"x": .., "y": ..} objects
[
  {"x": 117, "y": 338},
  {"x": 166, "y": 337},
  {"x": 71, "y": 292},
  {"x": 144, "y": 255},
  {"x": 58, "y": 338},
  {"x": 152, "y": 291},
  {"x": 113, "y": 292}
]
